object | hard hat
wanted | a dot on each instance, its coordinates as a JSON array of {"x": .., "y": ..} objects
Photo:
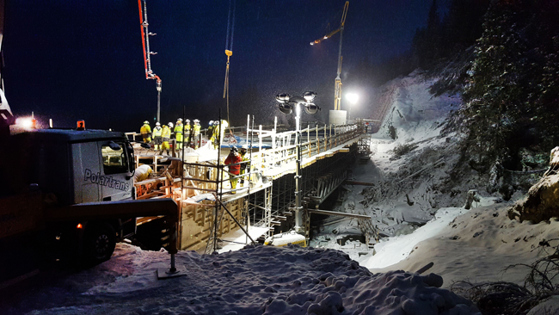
[
  {"x": 146, "y": 122},
  {"x": 157, "y": 124},
  {"x": 187, "y": 120},
  {"x": 196, "y": 121},
  {"x": 211, "y": 122},
  {"x": 170, "y": 124},
  {"x": 234, "y": 149},
  {"x": 243, "y": 150},
  {"x": 180, "y": 119}
]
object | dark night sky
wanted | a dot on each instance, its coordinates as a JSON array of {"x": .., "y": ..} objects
[{"x": 70, "y": 60}]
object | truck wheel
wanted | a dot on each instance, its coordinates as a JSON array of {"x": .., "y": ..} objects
[{"x": 99, "y": 243}]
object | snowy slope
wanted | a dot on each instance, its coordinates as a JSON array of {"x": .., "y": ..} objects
[{"x": 475, "y": 245}]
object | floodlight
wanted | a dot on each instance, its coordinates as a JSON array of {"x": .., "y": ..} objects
[
  {"x": 352, "y": 97},
  {"x": 309, "y": 96},
  {"x": 285, "y": 108},
  {"x": 311, "y": 108},
  {"x": 286, "y": 105},
  {"x": 283, "y": 98}
]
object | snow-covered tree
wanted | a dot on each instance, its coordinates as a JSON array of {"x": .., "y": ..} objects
[{"x": 511, "y": 95}]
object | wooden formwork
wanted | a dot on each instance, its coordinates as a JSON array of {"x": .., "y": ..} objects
[
  {"x": 197, "y": 222},
  {"x": 196, "y": 219}
]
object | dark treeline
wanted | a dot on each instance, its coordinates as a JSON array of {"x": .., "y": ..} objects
[{"x": 443, "y": 39}]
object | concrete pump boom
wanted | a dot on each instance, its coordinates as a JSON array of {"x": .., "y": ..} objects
[{"x": 147, "y": 53}]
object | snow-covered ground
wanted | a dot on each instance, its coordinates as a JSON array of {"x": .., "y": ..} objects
[{"x": 415, "y": 204}]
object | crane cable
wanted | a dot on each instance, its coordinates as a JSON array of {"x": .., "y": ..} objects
[
  {"x": 146, "y": 50},
  {"x": 229, "y": 50}
]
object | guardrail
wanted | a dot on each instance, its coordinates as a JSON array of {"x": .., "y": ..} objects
[{"x": 314, "y": 141}]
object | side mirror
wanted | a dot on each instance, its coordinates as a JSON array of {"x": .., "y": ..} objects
[{"x": 131, "y": 160}]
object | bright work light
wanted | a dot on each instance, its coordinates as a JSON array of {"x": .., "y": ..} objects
[
  {"x": 283, "y": 98},
  {"x": 309, "y": 96},
  {"x": 311, "y": 108},
  {"x": 286, "y": 105}
]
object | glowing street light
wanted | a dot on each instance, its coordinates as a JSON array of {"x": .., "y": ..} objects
[
  {"x": 353, "y": 98},
  {"x": 286, "y": 105}
]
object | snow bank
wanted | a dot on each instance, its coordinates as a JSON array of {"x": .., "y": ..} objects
[
  {"x": 395, "y": 249},
  {"x": 255, "y": 280}
]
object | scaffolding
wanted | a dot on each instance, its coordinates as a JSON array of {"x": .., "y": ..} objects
[{"x": 209, "y": 208}]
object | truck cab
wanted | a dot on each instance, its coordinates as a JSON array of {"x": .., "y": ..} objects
[
  {"x": 74, "y": 166},
  {"x": 68, "y": 168}
]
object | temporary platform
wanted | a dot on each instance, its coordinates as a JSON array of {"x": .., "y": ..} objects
[{"x": 209, "y": 209}]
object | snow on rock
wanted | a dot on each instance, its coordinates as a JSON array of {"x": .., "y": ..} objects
[
  {"x": 396, "y": 249},
  {"x": 550, "y": 306},
  {"x": 403, "y": 212},
  {"x": 254, "y": 280},
  {"x": 542, "y": 202},
  {"x": 412, "y": 110}
]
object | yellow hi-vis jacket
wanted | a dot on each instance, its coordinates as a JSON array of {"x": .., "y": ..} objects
[
  {"x": 196, "y": 129},
  {"x": 216, "y": 130},
  {"x": 166, "y": 133},
  {"x": 157, "y": 132},
  {"x": 145, "y": 129},
  {"x": 178, "y": 128}
]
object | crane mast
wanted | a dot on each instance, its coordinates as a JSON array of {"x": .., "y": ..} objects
[{"x": 338, "y": 81}]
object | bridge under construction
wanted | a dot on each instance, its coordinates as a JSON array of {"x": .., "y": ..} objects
[{"x": 288, "y": 175}]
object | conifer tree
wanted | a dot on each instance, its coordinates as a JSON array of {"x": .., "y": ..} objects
[{"x": 511, "y": 96}]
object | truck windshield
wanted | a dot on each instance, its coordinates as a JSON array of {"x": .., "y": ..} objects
[{"x": 114, "y": 161}]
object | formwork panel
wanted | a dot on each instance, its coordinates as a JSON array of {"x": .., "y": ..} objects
[{"x": 197, "y": 223}]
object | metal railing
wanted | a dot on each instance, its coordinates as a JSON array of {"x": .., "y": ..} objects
[{"x": 314, "y": 141}]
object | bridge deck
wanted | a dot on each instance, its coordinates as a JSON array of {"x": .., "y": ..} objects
[{"x": 273, "y": 154}]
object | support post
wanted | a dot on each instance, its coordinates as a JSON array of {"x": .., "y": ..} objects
[
  {"x": 158, "y": 101},
  {"x": 173, "y": 271},
  {"x": 309, "y": 144},
  {"x": 298, "y": 207}
]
